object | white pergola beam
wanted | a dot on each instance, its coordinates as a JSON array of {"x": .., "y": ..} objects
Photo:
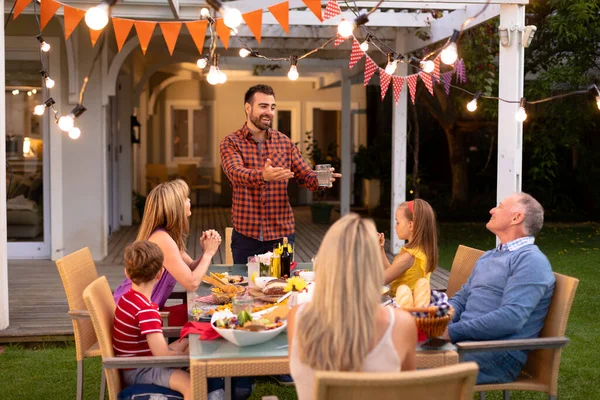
[
  {"x": 174, "y": 4},
  {"x": 387, "y": 19}
]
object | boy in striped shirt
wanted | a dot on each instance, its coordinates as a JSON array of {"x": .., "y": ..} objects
[{"x": 137, "y": 329}]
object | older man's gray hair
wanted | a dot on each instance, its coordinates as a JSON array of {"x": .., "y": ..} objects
[{"x": 533, "y": 212}]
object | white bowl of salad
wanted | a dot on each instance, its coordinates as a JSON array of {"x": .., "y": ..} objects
[{"x": 236, "y": 328}]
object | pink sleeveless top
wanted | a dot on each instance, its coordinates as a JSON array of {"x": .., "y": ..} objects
[{"x": 383, "y": 358}]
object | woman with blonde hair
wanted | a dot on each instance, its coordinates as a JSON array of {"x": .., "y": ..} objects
[
  {"x": 344, "y": 327},
  {"x": 165, "y": 222}
]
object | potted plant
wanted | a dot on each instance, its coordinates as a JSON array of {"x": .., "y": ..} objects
[
  {"x": 320, "y": 210},
  {"x": 139, "y": 203}
]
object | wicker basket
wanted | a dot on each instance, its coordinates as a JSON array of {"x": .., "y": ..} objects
[
  {"x": 225, "y": 298},
  {"x": 432, "y": 326}
]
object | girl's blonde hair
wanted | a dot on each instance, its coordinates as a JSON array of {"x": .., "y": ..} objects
[
  {"x": 165, "y": 209},
  {"x": 424, "y": 230},
  {"x": 338, "y": 326}
]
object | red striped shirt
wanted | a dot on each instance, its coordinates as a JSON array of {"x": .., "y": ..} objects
[
  {"x": 135, "y": 317},
  {"x": 258, "y": 205}
]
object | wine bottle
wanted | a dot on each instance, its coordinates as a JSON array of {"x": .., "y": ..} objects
[{"x": 286, "y": 259}]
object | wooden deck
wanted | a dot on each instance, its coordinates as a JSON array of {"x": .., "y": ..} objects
[{"x": 38, "y": 305}]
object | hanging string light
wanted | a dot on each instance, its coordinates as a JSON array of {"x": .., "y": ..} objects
[
  {"x": 596, "y": 93},
  {"x": 74, "y": 133},
  {"x": 390, "y": 68},
  {"x": 67, "y": 122},
  {"x": 450, "y": 54},
  {"x": 44, "y": 46},
  {"x": 472, "y": 105},
  {"x": 215, "y": 76},
  {"x": 345, "y": 27},
  {"x": 521, "y": 114},
  {"x": 245, "y": 52},
  {"x": 15, "y": 92},
  {"x": 96, "y": 18},
  {"x": 427, "y": 66},
  {"x": 364, "y": 46},
  {"x": 41, "y": 108},
  {"x": 202, "y": 62},
  {"x": 232, "y": 17},
  {"x": 49, "y": 82},
  {"x": 205, "y": 12},
  {"x": 293, "y": 73}
]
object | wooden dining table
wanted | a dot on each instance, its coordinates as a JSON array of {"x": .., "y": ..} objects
[{"x": 219, "y": 358}]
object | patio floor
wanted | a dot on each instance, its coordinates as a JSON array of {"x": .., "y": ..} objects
[{"x": 38, "y": 307}]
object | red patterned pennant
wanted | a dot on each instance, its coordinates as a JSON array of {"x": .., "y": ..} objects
[
  {"x": 436, "y": 68},
  {"x": 385, "y": 82},
  {"x": 447, "y": 80},
  {"x": 370, "y": 68},
  {"x": 356, "y": 54},
  {"x": 339, "y": 40},
  {"x": 331, "y": 10},
  {"x": 398, "y": 82},
  {"x": 412, "y": 86},
  {"x": 426, "y": 78}
]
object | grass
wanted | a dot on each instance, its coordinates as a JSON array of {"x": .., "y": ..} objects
[{"x": 49, "y": 371}]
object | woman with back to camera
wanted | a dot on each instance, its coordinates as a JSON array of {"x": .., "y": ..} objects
[{"x": 344, "y": 327}]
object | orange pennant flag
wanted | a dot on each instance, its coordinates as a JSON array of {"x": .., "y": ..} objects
[
  {"x": 315, "y": 7},
  {"x": 170, "y": 31},
  {"x": 223, "y": 31},
  {"x": 281, "y": 12},
  {"x": 47, "y": 10},
  {"x": 254, "y": 21},
  {"x": 20, "y": 5},
  {"x": 144, "y": 31},
  {"x": 197, "y": 30},
  {"x": 72, "y": 18},
  {"x": 94, "y": 35},
  {"x": 122, "y": 27}
]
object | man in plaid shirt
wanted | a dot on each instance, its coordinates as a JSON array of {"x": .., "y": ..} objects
[{"x": 259, "y": 161}]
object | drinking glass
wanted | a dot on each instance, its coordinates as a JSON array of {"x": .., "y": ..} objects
[
  {"x": 253, "y": 269},
  {"x": 242, "y": 303},
  {"x": 324, "y": 174}
]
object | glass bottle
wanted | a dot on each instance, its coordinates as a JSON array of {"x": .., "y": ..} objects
[{"x": 286, "y": 259}]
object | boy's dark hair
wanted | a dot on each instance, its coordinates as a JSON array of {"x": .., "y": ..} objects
[
  {"x": 265, "y": 89},
  {"x": 143, "y": 261}
]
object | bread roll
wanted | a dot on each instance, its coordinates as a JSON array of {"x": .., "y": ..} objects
[
  {"x": 422, "y": 293},
  {"x": 404, "y": 297},
  {"x": 275, "y": 287}
]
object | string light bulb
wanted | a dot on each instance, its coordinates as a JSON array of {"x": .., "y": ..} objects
[
  {"x": 596, "y": 93},
  {"x": 66, "y": 122},
  {"x": 472, "y": 105},
  {"x": 74, "y": 133},
  {"x": 293, "y": 73},
  {"x": 521, "y": 114},
  {"x": 364, "y": 46},
  {"x": 450, "y": 52},
  {"x": 221, "y": 76},
  {"x": 427, "y": 66},
  {"x": 244, "y": 52},
  {"x": 345, "y": 27},
  {"x": 232, "y": 17},
  {"x": 390, "y": 68},
  {"x": 598, "y": 102},
  {"x": 202, "y": 62},
  {"x": 49, "y": 82},
  {"x": 204, "y": 12},
  {"x": 44, "y": 46},
  {"x": 34, "y": 91},
  {"x": 41, "y": 108},
  {"x": 96, "y": 18},
  {"x": 15, "y": 92},
  {"x": 26, "y": 146}
]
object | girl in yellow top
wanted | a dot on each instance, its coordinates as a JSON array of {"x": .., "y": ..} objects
[{"x": 415, "y": 223}]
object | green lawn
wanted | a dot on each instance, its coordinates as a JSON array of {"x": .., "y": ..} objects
[{"x": 49, "y": 371}]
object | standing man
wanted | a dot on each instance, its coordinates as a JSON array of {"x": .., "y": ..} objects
[{"x": 259, "y": 161}]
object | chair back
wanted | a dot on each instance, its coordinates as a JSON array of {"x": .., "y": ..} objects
[
  {"x": 448, "y": 383},
  {"x": 101, "y": 305},
  {"x": 77, "y": 270},
  {"x": 543, "y": 364},
  {"x": 463, "y": 264},
  {"x": 189, "y": 173},
  {"x": 155, "y": 174},
  {"x": 228, "y": 254}
]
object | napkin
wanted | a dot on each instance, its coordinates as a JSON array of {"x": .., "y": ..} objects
[
  {"x": 293, "y": 265},
  {"x": 204, "y": 329}
]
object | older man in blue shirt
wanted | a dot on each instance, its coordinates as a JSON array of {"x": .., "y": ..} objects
[{"x": 509, "y": 291}]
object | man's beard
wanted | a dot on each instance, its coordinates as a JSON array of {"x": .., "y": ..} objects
[{"x": 260, "y": 124}]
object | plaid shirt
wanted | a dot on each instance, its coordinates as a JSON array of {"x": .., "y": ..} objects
[
  {"x": 261, "y": 207},
  {"x": 516, "y": 244}
]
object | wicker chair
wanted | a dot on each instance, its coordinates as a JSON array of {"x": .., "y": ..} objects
[
  {"x": 463, "y": 264},
  {"x": 77, "y": 270},
  {"x": 155, "y": 174},
  {"x": 228, "y": 254},
  {"x": 101, "y": 306},
  {"x": 540, "y": 373},
  {"x": 448, "y": 383},
  {"x": 189, "y": 173}
]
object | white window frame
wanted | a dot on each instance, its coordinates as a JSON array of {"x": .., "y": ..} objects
[
  {"x": 296, "y": 109},
  {"x": 190, "y": 105},
  {"x": 331, "y": 106}
]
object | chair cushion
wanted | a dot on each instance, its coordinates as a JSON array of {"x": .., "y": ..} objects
[{"x": 148, "y": 392}]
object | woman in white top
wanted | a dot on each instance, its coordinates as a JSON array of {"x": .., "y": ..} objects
[{"x": 345, "y": 328}]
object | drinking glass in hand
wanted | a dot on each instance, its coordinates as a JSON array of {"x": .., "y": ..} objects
[{"x": 324, "y": 174}]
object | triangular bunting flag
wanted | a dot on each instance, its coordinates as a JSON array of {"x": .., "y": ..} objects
[
  {"x": 122, "y": 27},
  {"x": 223, "y": 31},
  {"x": 254, "y": 21},
  {"x": 356, "y": 54},
  {"x": 20, "y": 5},
  {"x": 412, "y": 86},
  {"x": 447, "y": 80},
  {"x": 281, "y": 12},
  {"x": 370, "y": 68},
  {"x": 47, "y": 10},
  {"x": 197, "y": 31},
  {"x": 170, "y": 31},
  {"x": 315, "y": 7},
  {"x": 94, "y": 35},
  {"x": 339, "y": 40},
  {"x": 461, "y": 71},
  {"x": 72, "y": 18},
  {"x": 398, "y": 82},
  {"x": 331, "y": 10},
  {"x": 426, "y": 78},
  {"x": 144, "y": 31},
  {"x": 436, "y": 68},
  {"x": 384, "y": 78}
]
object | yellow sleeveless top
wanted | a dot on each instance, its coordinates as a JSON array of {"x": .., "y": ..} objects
[{"x": 416, "y": 271}]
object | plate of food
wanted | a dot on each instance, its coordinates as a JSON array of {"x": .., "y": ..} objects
[
  {"x": 272, "y": 290},
  {"x": 226, "y": 278},
  {"x": 202, "y": 312},
  {"x": 245, "y": 330}
]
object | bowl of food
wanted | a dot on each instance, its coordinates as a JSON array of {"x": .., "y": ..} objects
[{"x": 244, "y": 330}]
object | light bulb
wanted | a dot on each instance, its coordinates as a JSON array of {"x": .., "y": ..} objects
[
  {"x": 44, "y": 46},
  {"x": 29, "y": 93},
  {"x": 472, "y": 105},
  {"x": 427, "y": 66},
  {"x": 39, "y": 109},
  {"x": 244, "y": 52},
  {"x": 66, "y": 122},
  {"x": 521, "y": 115},
  {"x": 49, "y": 82},
  {"x": 204, "y": 12},
  {"x": 15, "y": 92},
  {"x": 232, "y": 17},
  {"x": 449, "y": 54},
  {"x": 390, "y": 68},
  {"x": 293, "y": 74},
  {"x": 34, "y": 91},
  {"x": 213, "y": 75},
  {"x": 96, "y": 18},
  {"x": 201, "y": 63},
  {"x": 364, "y": 46},
  {"x": 598, "y": 102},
  {"x": 345, "y": 28},
  {"x": 221, "y": 76},
  {"x": 26, "y": 145},
  {"x": 75, "y": 133}
]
